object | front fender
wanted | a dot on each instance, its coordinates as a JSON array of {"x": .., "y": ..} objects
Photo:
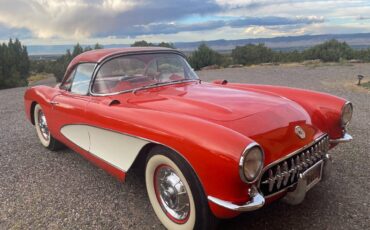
[
  {"x": 212, "y": 150},
  {"x": 41, "y": 95}
]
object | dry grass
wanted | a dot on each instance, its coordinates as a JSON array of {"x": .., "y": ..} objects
[
  {"x": 37, "y": 77},
  {"x": 366, "y": 85}
]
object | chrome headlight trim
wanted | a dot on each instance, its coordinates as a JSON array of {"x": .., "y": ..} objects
[
  {"x": 242, "y": 161},
  {"x": 344, "y": 123}
]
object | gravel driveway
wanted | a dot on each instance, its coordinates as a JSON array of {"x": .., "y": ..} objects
[{"x": 40, "y": 189}]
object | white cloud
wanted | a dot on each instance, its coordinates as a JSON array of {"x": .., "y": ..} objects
[{"x": 116, "y": 20}]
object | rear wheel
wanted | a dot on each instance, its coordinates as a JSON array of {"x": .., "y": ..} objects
[
  {"x": 175, "y": 192},
  {"x": 42, "y": 129}
]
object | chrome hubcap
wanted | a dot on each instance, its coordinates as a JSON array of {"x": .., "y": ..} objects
[
  {"x": 171, "y": 194},
  {"x": 43, "y": 125}
]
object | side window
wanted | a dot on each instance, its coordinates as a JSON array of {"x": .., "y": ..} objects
[
  {"x": 82, "y": 77},
  {"x": 68, "y": 82}
]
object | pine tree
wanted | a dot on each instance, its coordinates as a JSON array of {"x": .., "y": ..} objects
[{"x": 14, "y": 64}]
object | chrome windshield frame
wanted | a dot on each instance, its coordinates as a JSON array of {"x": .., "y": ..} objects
[{"x": 126, "y": 54}]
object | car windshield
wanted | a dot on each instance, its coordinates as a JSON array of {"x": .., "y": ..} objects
[{"x": 142, "y": 70}]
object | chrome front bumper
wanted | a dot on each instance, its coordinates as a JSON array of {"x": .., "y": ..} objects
[
  {"x": 293, "y": 197},
  {"x": 256, "y": 202},
  {"x": 346, "y": 138}
]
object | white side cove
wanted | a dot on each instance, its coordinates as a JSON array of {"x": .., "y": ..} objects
[{"x": 117, "y": 149}]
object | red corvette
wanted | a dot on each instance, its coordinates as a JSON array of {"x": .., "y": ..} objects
[{"x": 209, "y": 150}]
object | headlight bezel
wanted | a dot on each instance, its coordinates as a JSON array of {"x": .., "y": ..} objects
[
  {"x": 345, "y": 123},
  {"x": 243, "y": 158}
]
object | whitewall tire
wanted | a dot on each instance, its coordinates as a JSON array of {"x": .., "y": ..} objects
[
  {"x": 42, "y": 130},
  {"x": 174, "y": 191}
]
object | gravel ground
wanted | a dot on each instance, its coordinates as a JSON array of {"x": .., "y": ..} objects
[{"x": 40, "y": 189}]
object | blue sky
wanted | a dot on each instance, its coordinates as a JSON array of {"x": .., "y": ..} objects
[{"x": 116, "y": 21}]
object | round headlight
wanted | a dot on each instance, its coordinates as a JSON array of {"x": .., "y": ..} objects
[
  {"x": 346, "y": 116},
  {"x": 251, "y": 163}
]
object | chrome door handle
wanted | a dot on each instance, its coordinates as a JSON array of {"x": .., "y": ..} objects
[{"x": 54, "y": 103}]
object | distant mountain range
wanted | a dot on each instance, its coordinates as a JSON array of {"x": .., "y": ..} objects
[{"x": 360, "y": 40}]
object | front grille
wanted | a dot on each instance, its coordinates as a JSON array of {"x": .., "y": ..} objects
[{"x": 284, "y": 173}]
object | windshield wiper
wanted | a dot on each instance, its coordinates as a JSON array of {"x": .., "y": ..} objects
[
  {"x": 146, "y": 86},
  {"x": 159, "y": 83}
]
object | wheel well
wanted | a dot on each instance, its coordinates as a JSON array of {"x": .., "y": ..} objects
[
  {"x": 139, "y": 163},
  {"x": 33, "y": 105}
]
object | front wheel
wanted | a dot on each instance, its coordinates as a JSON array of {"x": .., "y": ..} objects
[
  {"x": 175, "y": 192},
  {"x": 42, "y": 129}
]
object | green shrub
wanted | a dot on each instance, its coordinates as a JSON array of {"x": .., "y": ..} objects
[
  {"x": 330, "y": 51},
  {"x": 252, "y": 54},
  {"x": 144, "y": 43},
  {"x": 204, "y": 56}
]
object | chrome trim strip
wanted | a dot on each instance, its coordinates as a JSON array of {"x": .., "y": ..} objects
[
  {"x": 241, "y": 162},
  {"x": 256, "y": 202},
  {"x": 346, "y": 138}
]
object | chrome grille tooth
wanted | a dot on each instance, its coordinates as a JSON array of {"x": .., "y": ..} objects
[
  {"x": 271, "y": 180},
  {"x": 308, "y": 158},
  {"x": 303, "y": 161},
  {"x": 312, "y": 149},
  {"x": 318, "y": 149},
  {"x": 327, "y": 144},
  {"x": 313, "y": 157},
  {"x": 293, "y": 170},
  {"x": 286, "y": 173},
  {"x": 324, "y": 147},
  {"x": 298, "y": 163},
  {"x": 278, "y": 176}
]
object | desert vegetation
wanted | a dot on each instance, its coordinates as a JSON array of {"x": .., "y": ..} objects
[
  {"x": 144, "y": 43},
  {"x": 59, "y": 66},
  {"x": 16, "y": 68},
  {"x": 251, "y": 54},
  {"x": 14, "y": 64}
]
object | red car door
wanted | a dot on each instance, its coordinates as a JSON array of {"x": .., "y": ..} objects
[{"x": 69, "y": 107}]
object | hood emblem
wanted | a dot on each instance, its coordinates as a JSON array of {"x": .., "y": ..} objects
[{"x": 300, "y": 132}]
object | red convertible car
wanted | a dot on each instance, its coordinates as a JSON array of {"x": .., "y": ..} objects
[{"x": 209, "y": 150}]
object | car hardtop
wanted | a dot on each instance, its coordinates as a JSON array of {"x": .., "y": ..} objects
[{"x": 99, "y": 55}]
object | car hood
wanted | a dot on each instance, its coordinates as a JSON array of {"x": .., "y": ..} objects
[
  {"x": 206, "y": 101},
  {"x": 266, "y": 118}
]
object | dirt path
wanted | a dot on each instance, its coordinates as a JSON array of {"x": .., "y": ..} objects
[{"x": 40, "y": 189}]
